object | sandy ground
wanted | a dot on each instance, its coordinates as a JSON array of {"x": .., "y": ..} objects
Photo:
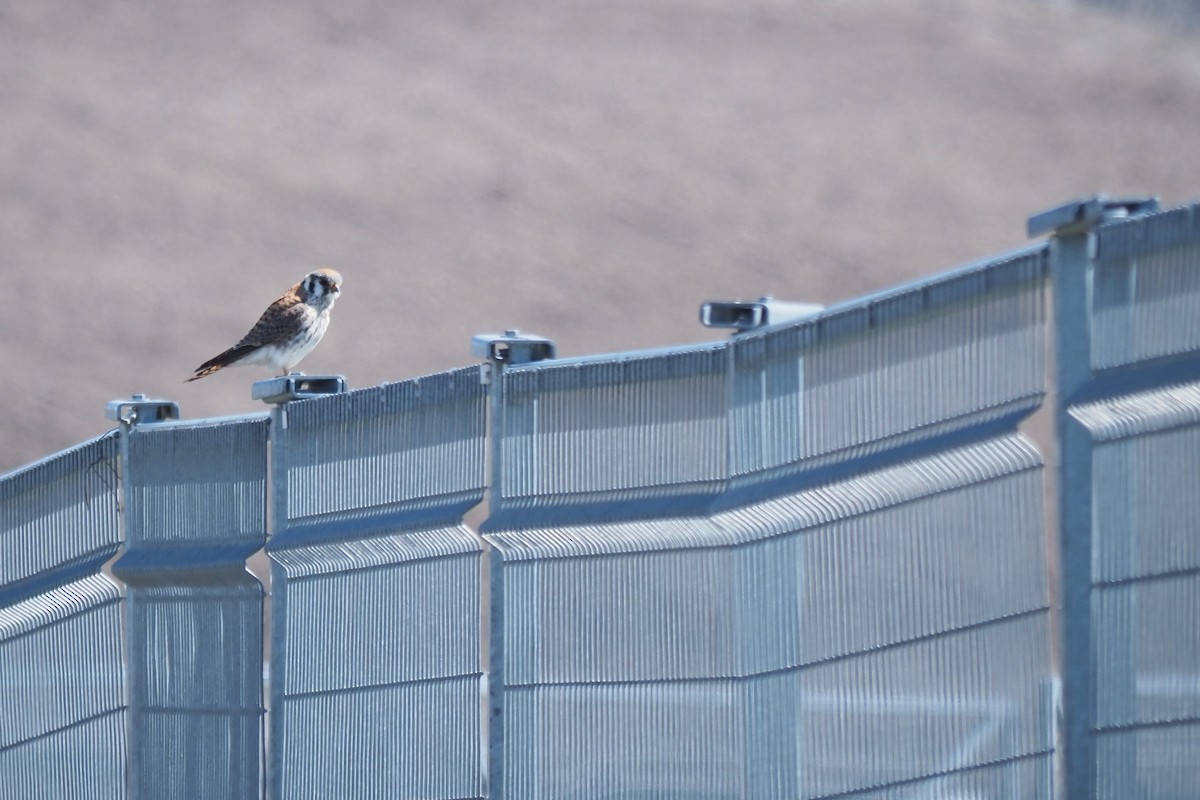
[{"x": 590, "y": 171}]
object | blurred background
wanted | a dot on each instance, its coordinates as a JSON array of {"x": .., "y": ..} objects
[{"x": 588, "y": 171}]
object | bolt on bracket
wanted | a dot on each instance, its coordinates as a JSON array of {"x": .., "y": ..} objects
[
  {"x": 141, "y": 410},
  {"x": 297, "y": 386},
  {"x": 512, "y": 347},
  {"x": 748, "y": 315},
  {"x": 1081, "y": 215}
]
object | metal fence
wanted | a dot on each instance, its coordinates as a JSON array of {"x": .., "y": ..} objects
[{"x": 814, "y": 561}]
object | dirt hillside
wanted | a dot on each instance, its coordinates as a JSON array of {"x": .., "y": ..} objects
[{"x": 591, "y": 171}]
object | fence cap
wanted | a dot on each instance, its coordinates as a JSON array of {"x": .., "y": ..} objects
[
  {"x": 512, "y": 347},
  {"x": 748, "y": 315},
  {"x": 1084, "y": 213},
  {"x": 297, "y": 386},
  {"x": 141, "y": 410}
]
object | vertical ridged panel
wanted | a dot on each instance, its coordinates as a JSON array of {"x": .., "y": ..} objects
[
  {"x": 423, "y": 742},
  {"x": 380, "y": 641},
  {"x": 624, "y": 740},
  {"x": 382, "y": 666},
  {"x": 195, "y": 675},
  {"x": 1128, "y": 321},
  {"x": 1029, "y": 777},
  {"x": 201, "y": 485},
  {"x": 1163, "y": 764},
  {"x": 1145, "y": 557},
  {"x": 947, "y": 561},
  {"x": 931, "y": 571},
  {"x": 931, "y": 706},
  {"x": 624, "y": 617},
  {"x": 59, "y": 511},
  {"x": 196, "y": 508},
  {"x": 1146, "y": 501},
  {"x": 416, "y": 442},
  {"x": 646, "y": 654},
  {"x": 1146, "y": 288},
  {"x": 629, "y": 422},
  {"x": 63, "y": 713},
  {"x": 84, "y": 762},
  {"x": 864, "y": 374},
  {"x": 1148, "y": 652},
  {"x": 376, "y": 666}
]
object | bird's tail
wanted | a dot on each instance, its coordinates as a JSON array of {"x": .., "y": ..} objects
[
  {"x": 204, "y": 371},
  {"x": 228, "y": 358}
]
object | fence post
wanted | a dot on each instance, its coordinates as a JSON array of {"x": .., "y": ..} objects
[
  {"x": 193, "y": 508},
  {"x": 500, "y": 350},
  {"x": 278, "y": 392},
  {"x": 1072, "y": 249}
]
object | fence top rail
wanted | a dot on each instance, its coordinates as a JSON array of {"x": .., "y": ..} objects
[{"x": 996, "y": 272}]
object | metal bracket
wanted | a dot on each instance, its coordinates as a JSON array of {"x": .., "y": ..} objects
[
  {"x": 512, "y": 347},
  {"x": 140, "y": 410},
  {"x": 1080, "y": 216},
  {"x": 297, "y": 386},
  {"x": 745, "y": 316}
]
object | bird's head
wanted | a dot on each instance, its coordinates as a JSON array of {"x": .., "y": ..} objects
[{"x": 321, "y": 287}]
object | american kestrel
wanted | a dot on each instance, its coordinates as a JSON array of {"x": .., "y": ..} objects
[{"x": 287, "y": 331}]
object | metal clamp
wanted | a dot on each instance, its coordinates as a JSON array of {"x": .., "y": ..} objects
[
  {"x": 1079, "y": 216},
  {"x": 297, "y": 386},
  {"x": 140, "y": 410},
  {"x": 745, "y": 316},
  {"x": 512, "y": 347}
]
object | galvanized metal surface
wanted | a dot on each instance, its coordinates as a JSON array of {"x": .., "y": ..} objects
[
  {"x": 932, "y": 358},
  {"x": 631, "y": 424},
  {"x": 62, "y": 713},
  {"x": 1130, "y": 428},
  {"x": 195, "y": 509},
  {"x": 376, "y": 592},
  {"x": 1146, "y": 289},
  {"x": 58, "y": 514},
  {"x": 808, "y": 562},
  {"x": 62, "y": 721},
  {"x": 896, "y": 609}
]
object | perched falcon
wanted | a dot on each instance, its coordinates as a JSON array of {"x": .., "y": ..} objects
[{"x": 287, "y": 331}]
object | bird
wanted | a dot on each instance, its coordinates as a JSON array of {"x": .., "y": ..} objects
[{"x": 287, "y": 331}]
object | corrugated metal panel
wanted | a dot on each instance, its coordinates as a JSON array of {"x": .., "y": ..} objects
[
  {"x": 620, "y": 424},
  {"x": 196, "y": 690},
  {"x": 63, "y": 713},
  {"x": 60, "y": 511},
  {"x": 635, "y": 740},
  {"x": 397, "y": 620},
  {"x": 926, "y": 708},
  {"x": 646, "y": 650},
  {"x": 1146, "y": 504},
  {"x": 1146, "y": 661},
  {"x": 1146, "y": 288},
  {"x": 62, "y": 723},
  {"x": 860, "y": 379},
  {"x": 376, "y": 667},
  {"x": 83, "y": 762},
  {"x": 1140, "y": 412},
  {"x": 1148, "y": 762},
  {"x": 419, "y": 443},
  {"x": 952, "y": 557},
  {"x": 664, "y": 587},
  {"x": 935, "y": 553},
  {"x": 1130, "y": 557},
  {"x": 195, "y": 508},
  {"x": 197, "y": 485},
  {"x": 416, "y": 740}
]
